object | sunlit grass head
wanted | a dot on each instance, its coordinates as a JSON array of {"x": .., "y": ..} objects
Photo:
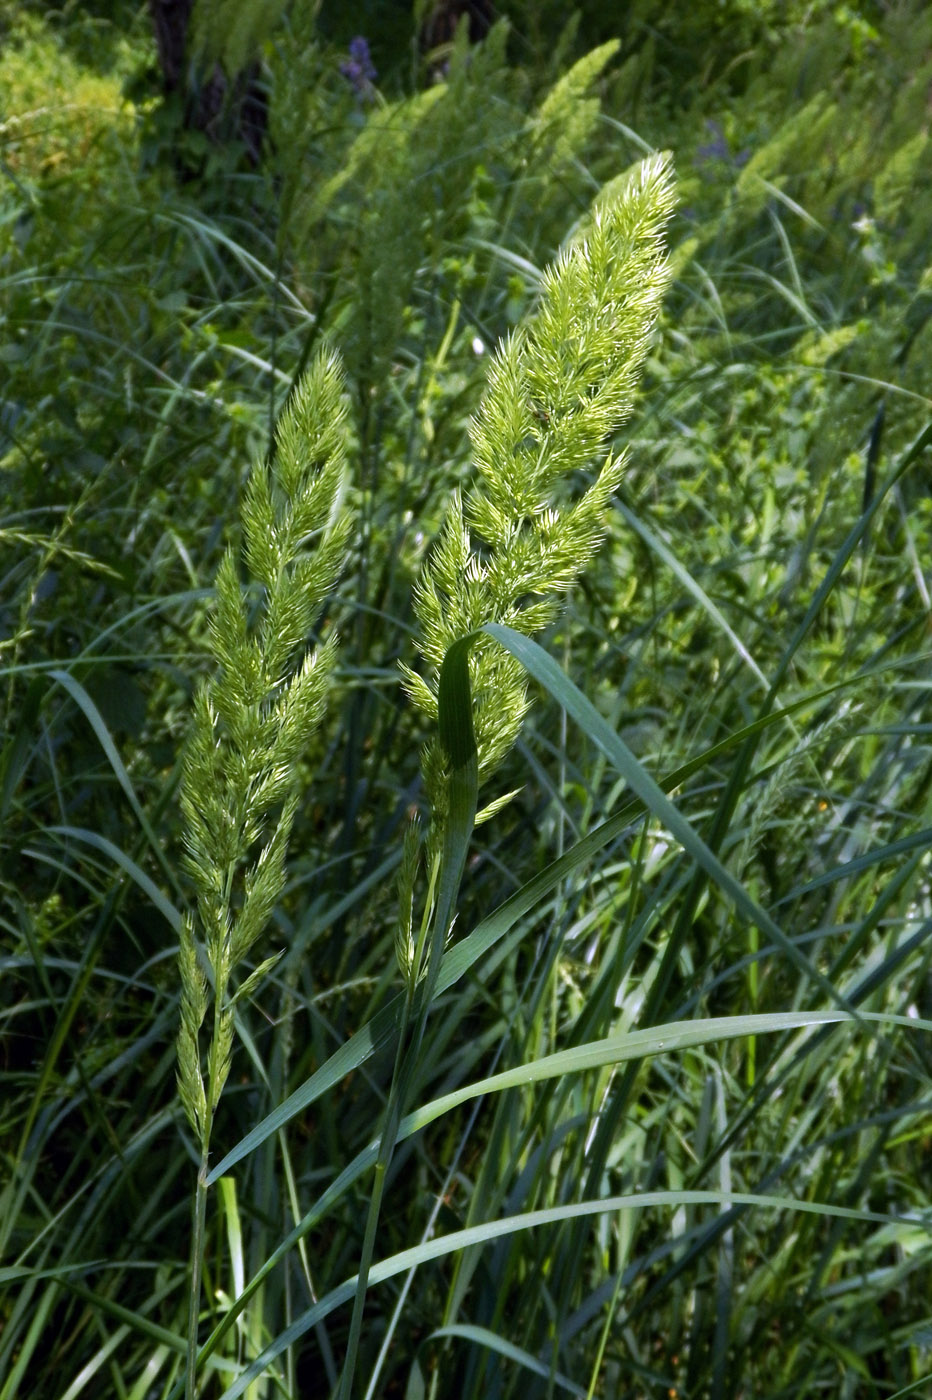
[{"x": 558, "y": 388}]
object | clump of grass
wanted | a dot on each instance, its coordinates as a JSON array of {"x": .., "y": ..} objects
[{"x": 553, "y": 1020}]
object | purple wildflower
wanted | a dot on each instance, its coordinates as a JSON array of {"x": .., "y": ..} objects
[
  {"x": 359, "y": 69},
  {"x": 717, "y": 149}
]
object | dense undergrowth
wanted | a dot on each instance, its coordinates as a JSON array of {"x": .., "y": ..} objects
[{"x": 708, "y": 894}]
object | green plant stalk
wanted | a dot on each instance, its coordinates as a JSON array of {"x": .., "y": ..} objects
[
  {"x": 400, "y": 1080},
  {"x": 199, "y": 1206},
  {"x": 458, "y": 738},
  {"x": 199, "y": 1217}
]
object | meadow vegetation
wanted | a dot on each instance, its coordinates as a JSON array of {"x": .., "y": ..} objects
[{"x": 465, "y": 772}]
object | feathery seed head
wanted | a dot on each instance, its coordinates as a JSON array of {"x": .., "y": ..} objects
[
  {"x": 557, "y": 389},
  {"x": 254, "y": 717}
]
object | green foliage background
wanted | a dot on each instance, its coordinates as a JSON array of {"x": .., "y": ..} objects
[{"x": 753, "y": 633}]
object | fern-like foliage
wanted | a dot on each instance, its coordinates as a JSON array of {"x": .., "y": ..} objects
[
  {"x": 558, "y": 389},
  {"x": 254, "y": 717},
  {"x": 232, "y": 32},
  {"x": 400, "y": 197},
  {"x": 566, "y": 117}
]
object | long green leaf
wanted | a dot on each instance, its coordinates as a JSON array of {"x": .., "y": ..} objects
[
  {"x": 96, "y": 721},
  {"x": 545, "y": 670},
  {"x": 665, "y": 553},
  {"x": 127, "y": 864},
  {"x": 497, "y": 1229},
  {"x": 482, "y": 1337}
]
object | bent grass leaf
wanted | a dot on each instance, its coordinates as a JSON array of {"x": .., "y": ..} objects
[
  {"x": 96, "y": 720},
  {"x": 544, "y": 669},
  {"x": 128, "y": 865},
  {"x": 614, "y": 1050},
  {"x": 486, "y": 1338},
  {"x": 460, "y": 1240}
]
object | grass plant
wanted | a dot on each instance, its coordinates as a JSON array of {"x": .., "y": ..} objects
[{"x": 252, "y": 725}]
